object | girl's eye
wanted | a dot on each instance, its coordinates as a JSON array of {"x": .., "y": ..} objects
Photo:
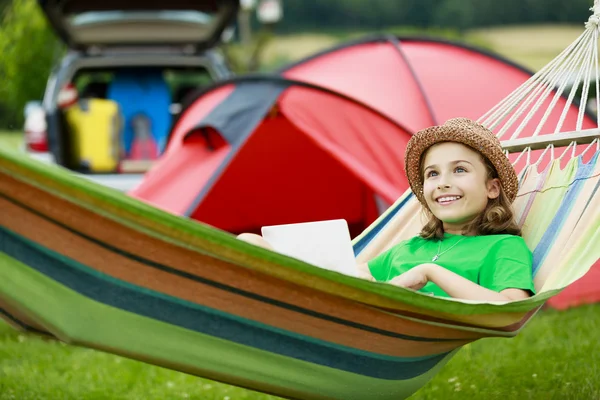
[
  {"x": 460, "y": 169},
  {"x": 431, "y": 174}
]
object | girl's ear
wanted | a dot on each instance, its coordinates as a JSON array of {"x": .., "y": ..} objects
[{"x": 493, "y": 188}]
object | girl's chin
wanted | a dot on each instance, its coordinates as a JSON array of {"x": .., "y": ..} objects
[{"x": 454, "y": 219}]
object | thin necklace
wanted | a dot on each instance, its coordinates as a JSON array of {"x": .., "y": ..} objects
[{"x": 437, "y": 256}]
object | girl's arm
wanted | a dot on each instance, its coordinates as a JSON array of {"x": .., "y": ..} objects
[{"x": 453, "y": 284}]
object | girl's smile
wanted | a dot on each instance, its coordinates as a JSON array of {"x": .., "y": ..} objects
[{"x": 447, "y": 200}]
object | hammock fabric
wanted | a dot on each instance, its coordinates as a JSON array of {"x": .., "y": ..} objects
[{"x": 93, "y": 267}]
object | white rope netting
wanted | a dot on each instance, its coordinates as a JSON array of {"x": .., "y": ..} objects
[{"x": 535, "y": 107}]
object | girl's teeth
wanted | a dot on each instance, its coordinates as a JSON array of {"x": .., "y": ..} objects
[{"x": 447, "y": 199}]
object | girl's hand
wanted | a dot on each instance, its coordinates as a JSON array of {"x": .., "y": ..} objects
[
  {"x": 415, "y": 278},
  {"x": 363, "y": 272},
  {"x": 365, "y": 275}
]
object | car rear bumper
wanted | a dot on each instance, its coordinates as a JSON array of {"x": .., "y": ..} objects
[
  {"x": 122, "y": 182},
  {"x": 45, "y": 157}
]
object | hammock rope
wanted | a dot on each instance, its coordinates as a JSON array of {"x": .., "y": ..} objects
[{"x": 576, "y": 66}]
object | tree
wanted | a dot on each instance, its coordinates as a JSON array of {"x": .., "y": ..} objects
[
  {"x": 3, "y": 5},
  {"x": 457, "y": 14},
  {"x": 28, "y": 47}
]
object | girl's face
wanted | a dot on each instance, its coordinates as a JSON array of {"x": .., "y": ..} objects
[{"x": 456, "y": 185}]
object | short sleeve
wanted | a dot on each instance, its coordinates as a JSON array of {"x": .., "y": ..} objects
[
  {"x": 377, "y": 266},
  {"x": 508, "y": 266},
  {"x": 380, "y": 265}
]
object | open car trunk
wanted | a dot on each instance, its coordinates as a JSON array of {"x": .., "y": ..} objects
[
  {"x": 82, "y": 24},
  {"x": 120, "y": 118}
]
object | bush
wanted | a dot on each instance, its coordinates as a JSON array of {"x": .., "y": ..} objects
[{"x": 28, "y": 48}]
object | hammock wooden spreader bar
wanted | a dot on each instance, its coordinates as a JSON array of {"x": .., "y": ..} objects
[{"x": 557, "y": 140}]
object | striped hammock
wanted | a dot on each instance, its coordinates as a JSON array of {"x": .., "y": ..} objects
[{"x": 93, "y": 267}]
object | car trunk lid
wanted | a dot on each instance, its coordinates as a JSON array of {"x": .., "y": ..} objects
[{"x": 82, "y": 24}]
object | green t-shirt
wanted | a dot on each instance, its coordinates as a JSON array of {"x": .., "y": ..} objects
[{"x": 496, "y": 262}]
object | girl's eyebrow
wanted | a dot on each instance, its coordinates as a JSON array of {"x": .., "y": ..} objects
[
  {"x": 459, "y": 161},
  {"x": 451, "y": 162}
]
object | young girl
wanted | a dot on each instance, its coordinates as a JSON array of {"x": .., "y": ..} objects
[{"x": 471, "y": 247}]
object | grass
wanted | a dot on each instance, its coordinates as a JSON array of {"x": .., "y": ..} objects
[
  {"x": 10, "y": 139},
  {"x": 555, "y": 357}
]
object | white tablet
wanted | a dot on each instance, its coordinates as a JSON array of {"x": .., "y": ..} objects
[{"x": 326, "y": 244}]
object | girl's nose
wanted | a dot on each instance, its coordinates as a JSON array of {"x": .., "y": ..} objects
[{"x": 443, "y": 186}]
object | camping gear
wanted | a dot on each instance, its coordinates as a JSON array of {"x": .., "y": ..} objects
[
  {"x": 102, "y": 37},
  {"x": 211, "y": 166},
  {"x": 75, "y": 264},
  {"x": 144, "y": 149},
  {"x": 94, "y": 127},
  {"x": 143, "y": 146}
]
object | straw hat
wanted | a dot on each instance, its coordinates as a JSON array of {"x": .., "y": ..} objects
[{"x": 465, "y": 131}]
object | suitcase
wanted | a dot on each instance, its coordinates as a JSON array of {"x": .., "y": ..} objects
[{"x": 95, "y": 127}]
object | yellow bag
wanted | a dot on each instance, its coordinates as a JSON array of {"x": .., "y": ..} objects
[{"x": 95, "y": 128}]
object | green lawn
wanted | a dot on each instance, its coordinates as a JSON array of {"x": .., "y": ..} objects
[
  {"x": 10, "y": 140},
  {"x": 555, "y": 357}
]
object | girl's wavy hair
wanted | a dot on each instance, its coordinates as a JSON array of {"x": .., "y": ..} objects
[{"x": 497, "y": 218}]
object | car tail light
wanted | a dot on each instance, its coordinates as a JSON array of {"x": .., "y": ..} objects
[
  {"x": 67, "y": 96},
  {"x": 36, "y": 137}
]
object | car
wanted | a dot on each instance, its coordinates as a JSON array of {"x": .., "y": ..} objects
[{"x": 128, "y": 68}]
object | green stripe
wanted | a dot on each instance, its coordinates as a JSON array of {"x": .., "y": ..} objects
[{"x": 78, "y": 320}]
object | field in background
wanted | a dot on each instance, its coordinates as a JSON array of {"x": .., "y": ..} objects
[
  {"x": 532, "y": 46},
  {"x": 10, "y": 140}
]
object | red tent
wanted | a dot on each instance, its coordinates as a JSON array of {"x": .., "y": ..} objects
[
  {"x": 266, "y": 150},
  {"x": 323, "y": 139},
  {"x": 419, "y": 82}
]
